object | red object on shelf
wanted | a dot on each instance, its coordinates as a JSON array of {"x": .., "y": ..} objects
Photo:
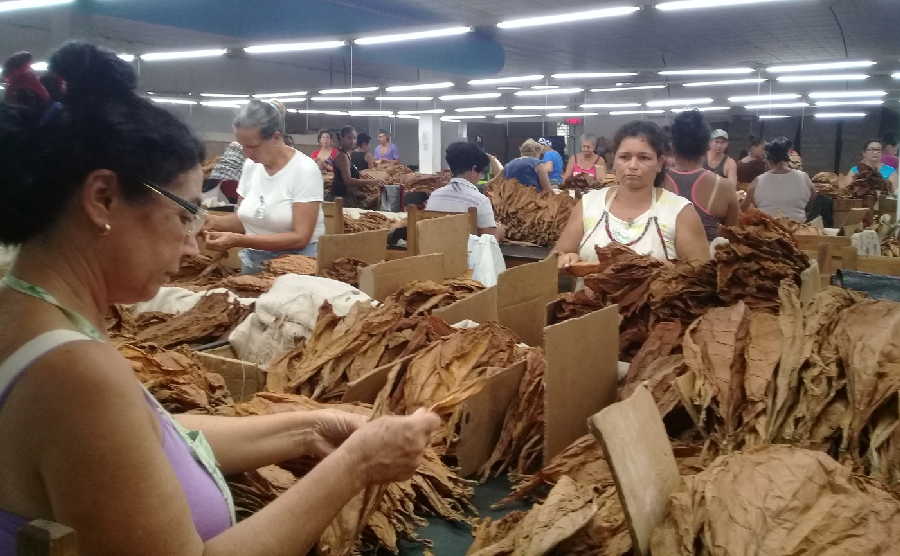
[{"x": 574, "y": 121}]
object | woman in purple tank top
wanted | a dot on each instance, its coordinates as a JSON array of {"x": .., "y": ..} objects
[{"x": 101, "y": 196}]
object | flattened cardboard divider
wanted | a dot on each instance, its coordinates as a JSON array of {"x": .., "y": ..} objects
[
  {"x": 810, "y": 282},
  {"x": 448, "y": 235},
  {"x": 523, "y": 294},
  {"x": 370, "y": 247},
  {"x": 581, "y": 375},
  {"x": 242, "y": 378},
  {"x": 888, "y": 266},
  {"x": 334, "y": 216},
  {"x": 812, "y": 243},
  {"x": 480, "y": 307},
  {"x": 381, "y": 280},
  {"x": 366, "y": 388}
]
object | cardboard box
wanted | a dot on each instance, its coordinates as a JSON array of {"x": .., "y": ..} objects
[
  {"x": 448, "y": 235},
  {"x": 523, "y": 293},
  {"x": 479, "y": 307},
  {"x": 381, "y": 280},
  {"x": 888, "y": 266},
  {"x": 334, "y": 216},
  {"x": 242, "y": 378},
  {"x": 370, "y": 247}
]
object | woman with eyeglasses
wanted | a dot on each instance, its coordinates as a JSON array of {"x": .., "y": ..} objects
[
  {"x": 871, "y": 157},
  {"x": 101, "y": 197},
  {"x": 279, "y": 196}
]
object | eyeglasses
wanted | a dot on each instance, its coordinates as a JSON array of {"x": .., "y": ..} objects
[{"x": 198, "y": 213}]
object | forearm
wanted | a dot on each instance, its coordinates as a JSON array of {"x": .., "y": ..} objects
[
  {"x": 275, "y": 242},
  {"x": 294, "y": 522},
  {"x": 225, "y": 223},
  {"x": 247, "y": 443}
]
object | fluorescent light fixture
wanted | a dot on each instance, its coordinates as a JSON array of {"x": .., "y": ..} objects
[
  {"x": 502, "y": 80},
  {"x": 482, "y": 109},
  {"x": 447, "y": 119},
  {"x": 590, "y": 75},
  {"x": 167, "y": 100},
  {"x": 431, "y": 111},
  {"x": 322, "y": 112},
  {"x": 708, "y": 71},
  {"x": 126, "y": 57},
  {"x": 821, "y": 67},
  {"x": 292, "y": 47},
  {"x": 223, "y": 103},
  {"x": 419, "y": 87},
  {"x": 694, "y": 4},
  {"x": 777, "y": 105},
  {"x": 858, "y": 102},
  {"x": 632, "y": 112},
  {"x": 370, "y": 113},
  {"x": 773, "y": 116},
  {"x": 540, "y": 93},
  {"x": 514, "y": 116},
  {"x": 508, "y": 88},
  {"x": 539, "y": 107},
  {"x": 350, "y": 90},
  {"x": 678, "y": 102},
  {"x": 278, "y": 95},
  {"x": 14, "y": 5},
  {"x": 458, "y": 118},
  {"x": 821, "y": 77},
  {"x": 223, "y": 95},
  {"x": 544, "y": 87},
  {"x": 403, "y": 99},
  {"x": 635, "y": 88},
  {"x": 40, "y": 66},
  {"x": 406, "y": 117},
  {"x": 182, "y": 54},
  {"x": 338, "y": 99},
  {"x": 827, "y": 115},
  {"x": 402, "y": 37},
  {"x": 726, "y": 82},
  {"x": 567, "y": 17},
  {"x": 288, "y": 100},
  {"x": 570, "y": 114},
  {"x": 846, "y": 94},
  {"x": 703, "y": 109},
  {"x": 612, "y": 105},
  {"x": 895, "y": 75},
  {"x": 469, "y": 96},
  {"x": 764, "y": 98}
]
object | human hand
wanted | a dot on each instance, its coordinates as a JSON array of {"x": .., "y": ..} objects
[
  {"x": 390, "y": 449},
  {"x": 325, "y": 430},
  {"x": 222, "y": 240},
  {"x": 567, "y": 259}
]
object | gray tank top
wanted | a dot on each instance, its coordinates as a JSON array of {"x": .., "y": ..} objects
[
  {"x": 783, "y": 194},
  {"x": 720, "y": 169},
  {"x": 684, "y": 184}
]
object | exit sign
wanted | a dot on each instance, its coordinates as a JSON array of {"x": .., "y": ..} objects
[{"x": 573, "y": 121}]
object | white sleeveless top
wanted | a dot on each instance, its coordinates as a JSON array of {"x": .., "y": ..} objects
[{"x": 652, "y": 233}]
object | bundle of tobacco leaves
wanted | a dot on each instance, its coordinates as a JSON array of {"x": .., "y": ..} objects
[
  {"x": 528, "y": 215},
  {"x": 367, "y": 222},
  {"x": 868, "y": 181},
  {"x": 345, "y": 269},
  {"x": 199, "y": 271},
  {"x": 254, "y": 285},
  {"x": 423, "y": 296}
]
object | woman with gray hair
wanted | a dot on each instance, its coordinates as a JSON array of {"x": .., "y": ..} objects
[
  {"x": 528, "y": 168},
  {"x": 279, "y": 196},
  {"x": 587, "y": 161}
]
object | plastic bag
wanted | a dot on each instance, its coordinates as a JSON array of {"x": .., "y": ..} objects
[
  {"x": 867, "y": 243},
  {"x": 485, "y": 259}
]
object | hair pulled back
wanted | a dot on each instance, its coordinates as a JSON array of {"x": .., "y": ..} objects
[
  {"x": 690, "y": 135},
  {"x": 779, "y": 150}
]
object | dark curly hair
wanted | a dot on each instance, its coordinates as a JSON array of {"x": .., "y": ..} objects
[
  {"x": 46, "y": 152},
  {"x": 650, "y": 132},
  {"x": 779, "y": 150},
  {"x": 690, "y": 135}
]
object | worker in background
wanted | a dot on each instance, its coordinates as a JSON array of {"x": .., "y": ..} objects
[
  {"x": 347, "y": 179},
  {"x": 22, "y": 84},
  {"x": 638, "y": 212},
  {"x": 587, "y": 161},
  {"x": 528, "y": 168},
  {"x": 361, "y": 157},
  {"x": 326, "y": 153},
  {"x": 279, "y": 196},
  {"x": 385, "y": 150},
  {"x": 551, "y": 155},
  {"x": 754, "y": 164},
  {"x": 108, "y": 213},
  {"x": 467, "y": 163},
  {"x": 782, "y": 191},
  {"x": 714, "y": 197},
  {"x": 871, "y": 157},
  {"x": 889, "y": 150},
  {"x": 717, "y": 159}
]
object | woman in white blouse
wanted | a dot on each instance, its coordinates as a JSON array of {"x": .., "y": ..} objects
[{"x": 280, "y": 194}]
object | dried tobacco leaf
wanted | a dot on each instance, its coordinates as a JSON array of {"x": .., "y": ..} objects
[
  {"x": 420, "y": 297},
  {"x": 291, "y": 264},
  {"x": 210, "y": 319},
  {"x": 778, "y": 500},
  {"x": 345, "y": 269},
  {"x": 684, "y": 291},
  {"x": 529, "y": 216},
  {"x": 368, "y": 222},
  {"x": 199, "y": 271}
]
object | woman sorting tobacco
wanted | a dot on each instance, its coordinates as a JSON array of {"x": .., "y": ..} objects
[
  {"x": 639, "y": 212},
  {"x": 101, "y": 197},
  {"x": 587, "y": 161},
  {"x": 279, "y": 196}
]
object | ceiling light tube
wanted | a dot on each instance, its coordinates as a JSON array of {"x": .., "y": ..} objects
[
  {"x": 168, "y": 100},
  {"x": 469, "y": 96},
  {"x": 826, "y": 77},
  {"x": 763, "y": 98},
  {"x": 432, "y": 111},
  {"x": 508, "y": 88},
  {"x": 846, "y": 94},
  {"x": 482, "y": 109},
  {"x": 895, "y": 75},
  {"x": 821, "y": 67},
  {"x": 631, "y": 112},
  {"x": 277, "y": 95},
  {"x": 678, "y": 102},
  {"x": 708, "y": 71},
  {"x": 403, "y": 99},
  {"x": 539, "y": 107},
  {"x": 406, "y": 117},
  {"x": 514, "y": 116},
  {"x": 126, "y": 57},
  {"x": 567, "y": 17},
  {"x": 458, "y": 118},
  {"x": 223, "y": 103},
  {"x": 703, "y": 109},
  {"x": 182, "y": 54},
  {"x": 370, "y": 113},
  {"x": 590, "y": 75},
  {"x": 694, "y": 4},
  {"x": 338, "y": 99},
  {"x": 502, "y": 80},
  {"x": 223, "y": 95},
  {"x": 293, "y": 47},
  {"x": 419, "y": 87},
  {"x": 570, "y": 114},
  {"x": 611, "y": 105},
  {"x": 725, "y": 82},
  {"x": 326, "y": 112},
  {"x": 544, "y": 87},
  {"x": 402, "y": 37},
  {"x": 14, "y": 5},
  {"x": 773, "y": 116},
  {"x": 350, "y": 90},
  {"x": 858, "y": 102},
  {"x": 777, "y": 105},
  {"x": 824, "y": 115},
  {"x": 39, "y": 66},
  {"x": 547, "y": 92},
  {"x": 287, "y": 100},
  {"x": 635, "y": 88}
]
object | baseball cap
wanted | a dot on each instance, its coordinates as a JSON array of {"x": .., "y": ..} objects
[
  {"x": 544, "y": 141},
  {"x": 720, "y": 133}
]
